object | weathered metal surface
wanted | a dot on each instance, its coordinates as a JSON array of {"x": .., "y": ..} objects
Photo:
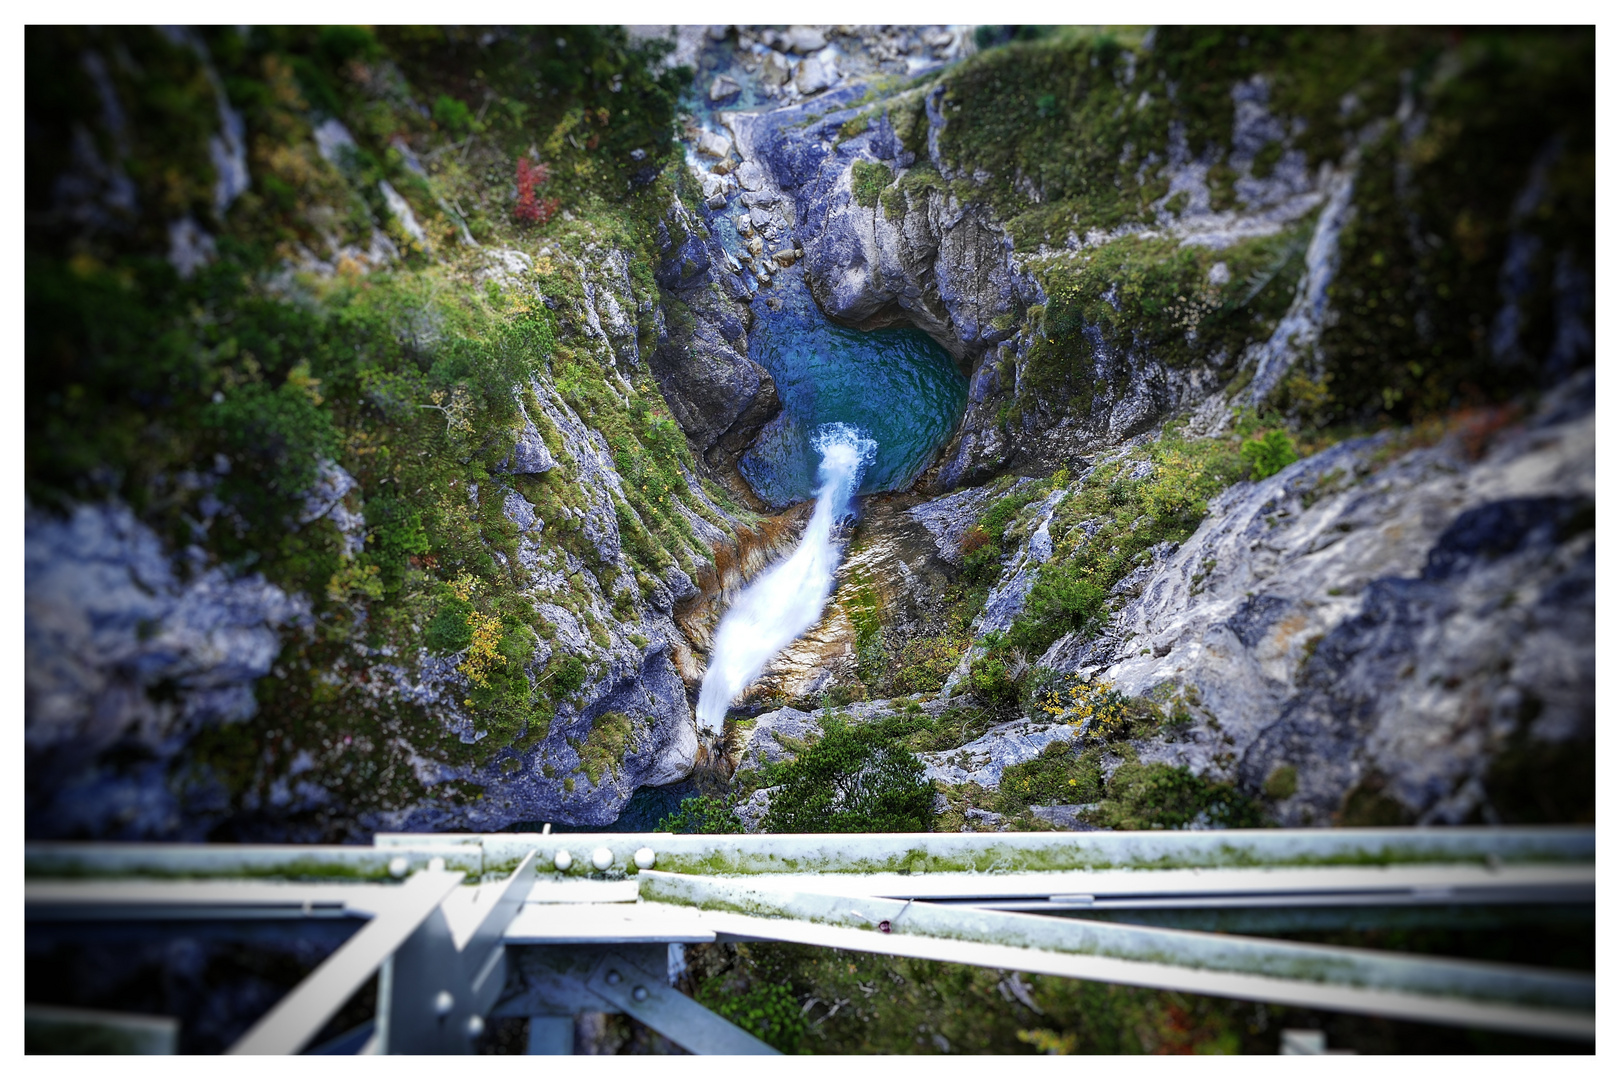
[
  {"x": 1419, "y": 988},
  {"x": 1008, "y": 853},
  {"x": 298, "y": 1017},
  {"x": 132, "y": 900},
  {"x": 288, "y": 861},
  {"x": 631, "y": 989},
  {"x": 530, "y": 939},
  {"x": 1223, "y": 888},
  {"x": 608, "y": 924}
]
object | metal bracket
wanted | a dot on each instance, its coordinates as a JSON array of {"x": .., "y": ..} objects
[{"x": 645, "y": 996}]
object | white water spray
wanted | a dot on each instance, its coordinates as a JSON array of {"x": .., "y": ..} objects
[{"x": 787, "y": 599}]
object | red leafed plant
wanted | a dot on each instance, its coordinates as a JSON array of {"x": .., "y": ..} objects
[{"x": 530, "y": 208}]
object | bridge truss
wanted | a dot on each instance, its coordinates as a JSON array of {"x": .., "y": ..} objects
[{"x": 461, "y": 929}]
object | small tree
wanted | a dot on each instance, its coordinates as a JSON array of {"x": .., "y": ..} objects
[{"x": 851, "y": 781}]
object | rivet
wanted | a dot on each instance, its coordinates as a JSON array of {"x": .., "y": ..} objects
[
  {"x": 602, "y": 858},
  {"x": 398, "y": 865},
  {"x": 562, "y": 860},
  {"x": 614, "y": 978},
  {"x": 645, "y": 858},
  {"x": 639, "y": 993},
  {"x": 444, "y": 1002},
  {"x": 475, "y": 1026}
]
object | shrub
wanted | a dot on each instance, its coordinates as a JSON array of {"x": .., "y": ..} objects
[
  {"x": 1172, "y": 797},
  {"x": 450, "y": 630},
  {"x": 702, "y": 814},
  {"x": 530, "y": 208},
  {"x": 925, "y": 663},
  {"x": 1282, "y": 783},
  {"x": 993, "y": 680},
  {"x": 852, "y": 781},
  {"x": 1269, "y": 454},
  {"x": 1063, "y": 599},
  {"x": 1055, "y": 776},
  {"x": 452, "y": 115},
  {"x": 1098, "y": 708}
]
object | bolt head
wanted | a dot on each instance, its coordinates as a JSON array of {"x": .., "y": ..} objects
[
  {"x": 645, "y": 858},
  {"x": 562, "y": 860},
  {"x": 601, "y": 858},
  {"x": 639, "y": 993},
  {"x": 398, "y": 865},
  {"x": 614, "y": 978},
  {"x": 443, "y": 1002},
  {"x": 475, "y": 1026}
]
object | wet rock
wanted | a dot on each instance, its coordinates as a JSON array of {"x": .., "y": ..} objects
[
  {"x": 723, "y": 88},
  {"x": 712, "y": 143}
]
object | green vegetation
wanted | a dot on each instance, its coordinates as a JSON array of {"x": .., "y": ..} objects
[
  {"x": 702, "y": 814},
  {"x": 869, "y": 180},
  {"x": 767, "y": 1011},
  {"x": 852, "y": 780},
  {"x": 860, "y": 1003},
  {"x": 1160, "y": 299},
  {"x": 1104, "y": 529},
  {"x": 1269, "y": 454},
  {"x": 613, "y": 735},
  {"x": 1282, "y": 783},
  {"x": 208, "y": 403}
]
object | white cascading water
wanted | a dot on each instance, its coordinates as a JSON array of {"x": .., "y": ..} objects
[{"x": 787, "y": 599}]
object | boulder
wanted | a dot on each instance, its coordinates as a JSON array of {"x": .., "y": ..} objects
[
  {"x": 723, "y": 88},
  {"x": 803, "y": 39},
  {"x": 811, "y": 75},
  {"x": 713, "y": 144}
]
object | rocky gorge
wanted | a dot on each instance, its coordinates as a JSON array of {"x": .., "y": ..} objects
[{"x": 400, "y": 476}]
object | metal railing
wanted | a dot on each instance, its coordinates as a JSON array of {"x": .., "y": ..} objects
[{"x": 460, "y": 929}]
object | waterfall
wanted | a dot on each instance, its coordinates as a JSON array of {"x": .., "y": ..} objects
[{"x": 787, "y": 599}]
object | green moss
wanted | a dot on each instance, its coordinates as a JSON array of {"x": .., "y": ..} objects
[
  {"x": 1124, "y": 518},
  {"x": 1282, "y": 783},
  {"x": 1420, "y": 262},
  {"x": 869, "y": 178},
  {"x": 612, "y": 736}
]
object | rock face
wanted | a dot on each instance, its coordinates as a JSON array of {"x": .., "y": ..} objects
[
  {"x": 719, "y": 396},
  {"x": 983, "y": 760},
  {"x": 108, "y": 621},
  {"x": 1386, "y": 628}
]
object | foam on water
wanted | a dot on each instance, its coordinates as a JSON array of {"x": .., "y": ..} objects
[{"x": 789, "y": 597}]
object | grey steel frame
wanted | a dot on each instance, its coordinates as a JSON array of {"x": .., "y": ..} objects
[{"x": 462, "y": 928}]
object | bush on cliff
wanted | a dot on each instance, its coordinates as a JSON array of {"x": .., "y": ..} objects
[{"x": 851, "y": 781}]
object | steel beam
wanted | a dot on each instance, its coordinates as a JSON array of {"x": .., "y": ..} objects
[
  {"x": 1009, "y": 853},
  {"x": 298, "y": 1017},
  {"x": 298, "y": 862},
  {"x": 1356, "y": 980}
]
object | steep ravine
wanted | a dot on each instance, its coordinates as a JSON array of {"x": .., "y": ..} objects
[{"x": 491, "y": 598}]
